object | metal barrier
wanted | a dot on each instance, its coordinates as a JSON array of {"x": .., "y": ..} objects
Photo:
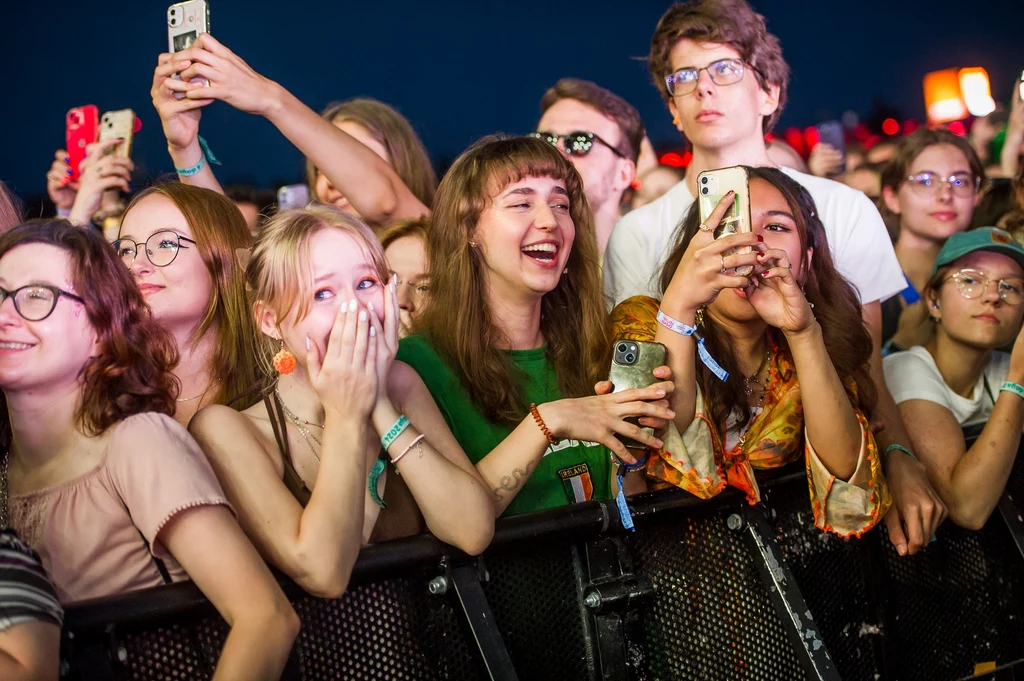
[{"x": 702, "y": 590}]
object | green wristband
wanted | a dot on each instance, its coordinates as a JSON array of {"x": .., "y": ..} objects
[
  {"x": 394, "y": 432},
  {"x": 1011, "y": 387},
  {"x": 900, "y": 448}
]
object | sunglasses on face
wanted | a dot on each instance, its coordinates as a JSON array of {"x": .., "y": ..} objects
[
  {"x": 576, "y": 143},
  {"x": 161, "y": 248}
]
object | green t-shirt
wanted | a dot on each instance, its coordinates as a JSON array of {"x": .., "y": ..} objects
[{"x": 570, "y": 472}]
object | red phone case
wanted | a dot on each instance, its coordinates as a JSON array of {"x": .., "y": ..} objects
[{"x": 82, "y": 129}]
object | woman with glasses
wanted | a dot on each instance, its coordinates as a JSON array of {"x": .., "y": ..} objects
[
  {"x": 94, "y": 474},
  {"x": 405, "y": 249},
  {"x": 181, "y": 243},
  {"x": 362, "y": 155},
  {"x": 929, "y": 189},
  {"x": 975, "y": 298}
]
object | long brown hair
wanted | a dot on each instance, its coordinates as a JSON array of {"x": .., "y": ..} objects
[
  {"x": 406, "y": 152},
  {"x": 219, "y": 231},
  {"x": 835, "y": 302},
  {"x": 132, "y": 372},
  {"x": 458, "y": 320},
  {"x": 10, "y": 209}
]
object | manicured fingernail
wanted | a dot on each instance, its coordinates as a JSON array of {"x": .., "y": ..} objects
[
  {"x": 344, "y": 307},
  {"x": 760, "y": 238},
  {"x": 660, "y": 393},
  {"x": 373, "y": 331},
  {"x": 362, "y": 315},
  {"x": 762, "y": 256},
  {"x": 369, "y": 306},
  {"x": 307, "y": 343},
  {"x": 353, "y": 305},
  {"x": 67, "y": 159},
  {"x": 69, "y": 171}
]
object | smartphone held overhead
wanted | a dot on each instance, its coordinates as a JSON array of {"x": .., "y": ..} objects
[
  {"x": 119, "y": 125},
  {"x": 80, "y": 130},
  {"x": 185, "y": 21}
]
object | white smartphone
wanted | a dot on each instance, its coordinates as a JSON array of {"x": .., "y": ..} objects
[
  {"x": 185, "y": 21},
  {"x": 118, "y": 125},
  {"x": 712, "y": 185},
  {"x": 292, "y": 196}
]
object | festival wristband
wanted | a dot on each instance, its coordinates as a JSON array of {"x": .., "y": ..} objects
[
  {"x": 902, "y": 449},
  {"x": 702, "y": 350},
  {"x": 394, "y": 431},
  {"x": 207, "y": 155},
  {"x": 1011, "y": 387},
  {"x": 373, "y": 479}
]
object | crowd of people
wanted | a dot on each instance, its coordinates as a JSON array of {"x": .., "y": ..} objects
[{"x": 198, "y": 386}]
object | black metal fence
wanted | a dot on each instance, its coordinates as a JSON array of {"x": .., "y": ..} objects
[{"x": 702, "y": 590}]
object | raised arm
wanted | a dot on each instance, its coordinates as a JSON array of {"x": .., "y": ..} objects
[{"x": 369, "y": 183}]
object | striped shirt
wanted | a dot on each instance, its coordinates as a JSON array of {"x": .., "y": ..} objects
[{"x": 26, "y": 593}]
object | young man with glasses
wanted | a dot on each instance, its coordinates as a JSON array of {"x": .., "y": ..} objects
[
  {"x": 600, "y": 133},
  {"x": 725, "y": 80}
]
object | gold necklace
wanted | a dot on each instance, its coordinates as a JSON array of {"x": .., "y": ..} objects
[{"x": 189, "y": 399}]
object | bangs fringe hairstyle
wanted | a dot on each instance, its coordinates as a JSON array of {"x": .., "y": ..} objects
[
  {"x": 458, "y": 320},
  {"x": 132, "y": 372},
  {"x": 406, "y": 153},
  {"x": 730, "y": 22},
  {"x": 219, "y": 231},
  {"x": 278, "y": 276},
  {"x": 835, "y": 301}
]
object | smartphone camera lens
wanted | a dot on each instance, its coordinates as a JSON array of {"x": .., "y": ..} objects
[
  {"x": 630, "y": 358},
  {"x": 704, "y": 191},
  {"x": 622, "y": 347},
  {"x": 703, "y": 180}
]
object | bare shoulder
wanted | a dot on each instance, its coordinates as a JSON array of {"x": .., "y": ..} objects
[{"x": 219, "y": 428}]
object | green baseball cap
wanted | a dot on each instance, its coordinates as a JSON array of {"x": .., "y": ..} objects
[{"x": 981, "y": 239}]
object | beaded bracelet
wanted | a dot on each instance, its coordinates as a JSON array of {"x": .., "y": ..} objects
[
  {"x": 543, "y": 426},
  {"x": 418, "y": 442},
  {"x": 1011, "y": 387}
]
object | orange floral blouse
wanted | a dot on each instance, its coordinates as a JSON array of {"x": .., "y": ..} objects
[{"x": 697, "y": 461}]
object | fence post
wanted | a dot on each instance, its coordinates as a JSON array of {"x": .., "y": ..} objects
[{"x": 466, "y": 581}]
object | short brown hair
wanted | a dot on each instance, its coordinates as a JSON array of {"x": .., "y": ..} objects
[
  {"x": 131, "y": 372},
  {"x": 609, "y": 104},
  {"x": 730, "y": 22},
  {"x": 406, "y": 153}
]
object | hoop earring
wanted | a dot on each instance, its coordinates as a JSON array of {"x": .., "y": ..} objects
[{"x": 284, "y": 361}]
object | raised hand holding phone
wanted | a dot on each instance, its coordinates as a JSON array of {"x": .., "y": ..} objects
[
  {"x": 81, "y": 129},
  {"x": 102, "y": 171}
]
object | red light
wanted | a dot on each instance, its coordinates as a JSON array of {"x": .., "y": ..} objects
[
  {"x": 769, "y": 137},
  {"x": 636, "y": 184},
  {"x": 957, "y": 128},
  {"x": 890, "y": 126},
  {"x": 811, "y": 137},
  {"x": 672, "y": 159},
  {"x": 861, "y": 132},
  {"x": 795, "y": 139},
  {"x": 910, "y": 125},
  {"x": 687, "y": 158}
]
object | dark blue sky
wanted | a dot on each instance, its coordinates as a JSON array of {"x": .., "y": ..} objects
[{"x": 458, "y": 70}]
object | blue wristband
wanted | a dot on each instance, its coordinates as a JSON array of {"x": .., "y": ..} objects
[
  {"x": 702, "y": 350},
  {"x": 1011, "y": 387},
  {"x": 192, "y": 170},
  {"x": 394, "y": 432},
  {"x": 900, "y": 448}
]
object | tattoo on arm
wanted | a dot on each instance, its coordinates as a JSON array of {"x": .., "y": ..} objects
[{"x": 511, "y": 483}]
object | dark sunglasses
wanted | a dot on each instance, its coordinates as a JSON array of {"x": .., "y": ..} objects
[{"x": 576, "y": 143}]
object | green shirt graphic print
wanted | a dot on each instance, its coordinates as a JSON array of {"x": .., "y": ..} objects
[{"x": 570, "y": 472}]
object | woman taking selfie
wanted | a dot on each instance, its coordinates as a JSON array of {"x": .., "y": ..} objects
[
  {"x": 791, "y": 341},
  {"x": 975, "y": 298},
  {"x": 515, "y": 335},
  {"x": 305, "y": 468},
  {"x": 96, "y": 476}
]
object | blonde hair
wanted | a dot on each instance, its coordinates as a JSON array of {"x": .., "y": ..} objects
[
  {"x": 219, "y": 231},
  {"x": 278, "y": 273}
]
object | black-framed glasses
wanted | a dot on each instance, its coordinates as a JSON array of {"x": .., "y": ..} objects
[
  {"x": 963, "y": 185},
  {"x": 161, "y": 248},
  {"x": 576, "y": 143},
  {"x": 722, "y": 72},
  {"x": 35, "y": 302},
  {"x": 972, "y": 284}
]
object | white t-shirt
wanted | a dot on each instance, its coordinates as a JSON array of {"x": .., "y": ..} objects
[
  {"x": 860, "y": 245},
  {"x": 913, "y": 375}
]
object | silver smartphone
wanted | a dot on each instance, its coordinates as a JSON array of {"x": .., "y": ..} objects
[
  {"x": 185, "y": 21},
  {"x": 292, "y": 196}
]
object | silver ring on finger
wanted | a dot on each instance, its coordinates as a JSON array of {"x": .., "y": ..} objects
[
  {"x": 723, "y": 262},
  {"x": 704, "y": 227}
]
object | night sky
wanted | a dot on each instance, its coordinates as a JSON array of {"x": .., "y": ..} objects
[{"x": 457, "y": 70}]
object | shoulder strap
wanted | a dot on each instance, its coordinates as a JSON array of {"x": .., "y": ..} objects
[{"x": 292, "y": 480}]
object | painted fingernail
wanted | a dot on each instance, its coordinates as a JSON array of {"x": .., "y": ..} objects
[
  {"x": 307, "y": 343},
  {"x": 353, "y": 305},
  {"x": 760, "y": 239},
  {"x": 373, "y": 331},
  {"x": 69, "y": 172},
  {"x": 67, "y": 159},
  {"x": 362, "y": 315},
  {"x": 369, "y": 306},
  {"x": 344, "y": 307}
]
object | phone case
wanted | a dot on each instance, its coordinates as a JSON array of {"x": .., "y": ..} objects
[
  {"x": 81, "y": 129},
  {"x": 832, "y": 134},
  {"x": 633, "y": 365},
  {"x": 118, "y": 124},
  {"x": 292, "y": 196},
  {"x": 185, "y": 21},
  {"x": 712, "y": 185}
]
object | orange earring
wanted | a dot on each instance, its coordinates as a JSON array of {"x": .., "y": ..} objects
[
  {"x": 284, "y": 361},
  {"x": 675, "y": 120}
]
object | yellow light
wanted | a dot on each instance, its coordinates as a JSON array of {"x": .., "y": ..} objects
[
  {"x": 942, "y": 98},
  {"x": 976, "y": 91}
]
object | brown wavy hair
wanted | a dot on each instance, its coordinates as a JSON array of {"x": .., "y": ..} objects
[
  {"x": 406, "y": 152},
  {"x": 835, "y": 301},
  {"x": 458, "y": 320},
  {"x": 10, "y": 209},
  {"x": 132, "y": 372},
  {"x": 731, "y": 22},
  {"x": 220, "y": 232}
]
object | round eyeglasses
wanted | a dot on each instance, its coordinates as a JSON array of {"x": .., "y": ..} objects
[
  {"x": 963, "y": 185},
  {"x": 161, "y": 248},
  {"x": 35, "y": 302},
  {"x": 576, "y": 143},
  {"x": 973, "y": 284},
  {"x": 722, "y": 72}
]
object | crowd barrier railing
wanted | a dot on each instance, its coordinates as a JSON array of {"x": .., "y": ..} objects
[{"x": 714, "y": 589}]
